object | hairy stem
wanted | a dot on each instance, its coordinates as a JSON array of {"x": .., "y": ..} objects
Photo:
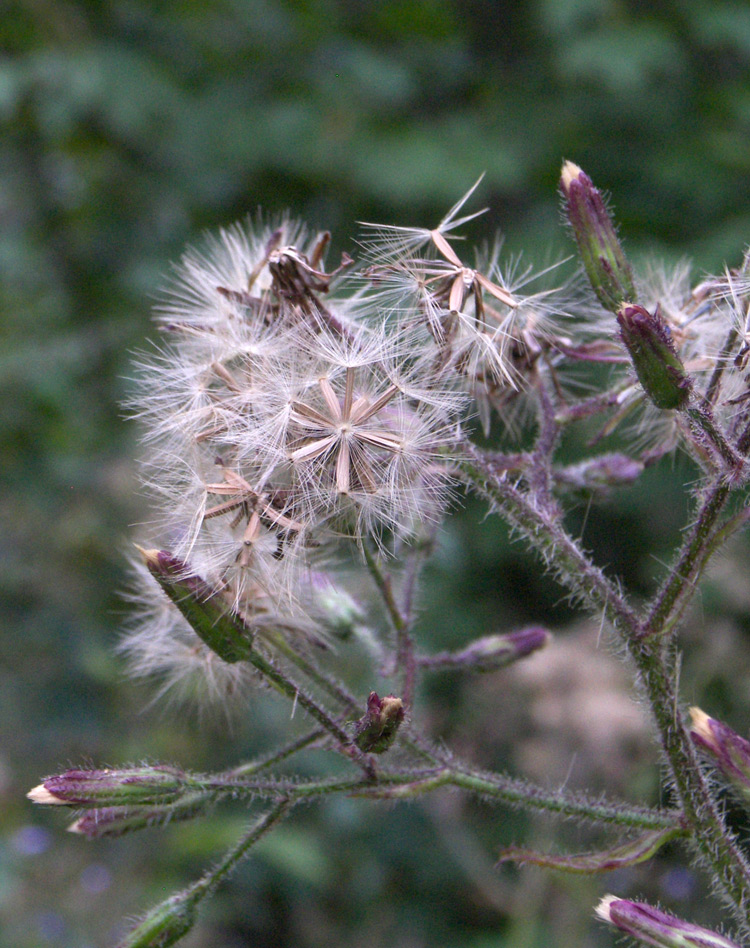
[
  {"x": 210, "y": 880},
  {"x": 409, "y": 783},
  {"x": 679, "y": 586},
  {"x": 558, "y": 550},
  {"x": 710, "y": 836},
  {"x": 708, "y": 832},
  {"x": 404, "y": 658},
  {"x": 274, "y": 675}
]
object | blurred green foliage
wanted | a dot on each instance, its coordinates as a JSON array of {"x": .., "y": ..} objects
[{"x": 129, "y": 126}]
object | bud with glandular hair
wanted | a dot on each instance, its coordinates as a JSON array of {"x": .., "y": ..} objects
[
  {"x": 603, "y": 259},
  {"x": 126, "y": 787},
  {"x": 165, "y": 924},
  {"x": 376, "y": 730},
  {"x": 654, "y": 927},
  {"x": 730, "y": 752},
  {"x": 497, "y": 651},
  {"x": 659, "y": 369}
]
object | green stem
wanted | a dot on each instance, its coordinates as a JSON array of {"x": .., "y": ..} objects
[
  {"x": 408, "y": 736},
  {"x": 404, "y": 659},
  {"x": 546, "y": 535},
  {"x": 712, "y": 389},
  {"x": 523, "y": 794},
  {"x": 324, "y": 682},
  {"x": 210, "y": 880},
  {"x": 696, "y": 550},
  {"x": 293, "y": 691},
  {"x": 710, "y": 836},
  {"x": 702, "y": 419},
  {"x": 498, "y": 787},
  {"x": 708, "y": 833},
  {"x": 263, "y": 763}
]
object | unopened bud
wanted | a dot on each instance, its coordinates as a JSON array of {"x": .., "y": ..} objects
[
  {"x": 376, "y": 731},
  {"x": 653, "y": 927},
  {"x": 603, "y": 259},
  {"x": 208, "y": 613},
  {"x": 114, "y": 821},
  {"x": 659, "y": 369},
  {"x": 491, "y": 651},
  {"x": 135, "y": 785},
  {"x": 730, "y": 752},
  {"x": 165, "y": 924}
]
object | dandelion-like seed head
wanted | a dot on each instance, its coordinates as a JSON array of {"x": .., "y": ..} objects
[
  {"x": 280, "y": 416},
  {"x": 478, "y": 323},
  {"x": 358, "y": 427}
]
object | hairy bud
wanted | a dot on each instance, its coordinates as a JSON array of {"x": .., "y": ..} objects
[
  {"x": 222, "y": 630},
  {"x": 730, "y": 752},
  {"x": 340, "y": 611},
  {"x": 659, "y": 369},
  {"x": 603, "y": 259},
  {"x": 129, "y": 786},
  {"x": 653, "y": 927},
  {"x": 376, "y": 730},
  {"x": 114, "y": 821},
  {"x": 165, "y": 924},
  {"x": 491, "y": 651}
]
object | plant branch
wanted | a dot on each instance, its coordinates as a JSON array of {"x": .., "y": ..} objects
[
  {"x": 546, "y": 535},
  {"x": 402, "y": 784},
  {"x": 404, "y": 658},
  {"x": 213, "y": 877},
  {"x": 679, "y": 585},
  {"x": 708, "y": 832}
]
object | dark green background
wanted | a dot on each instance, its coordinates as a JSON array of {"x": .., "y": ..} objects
[{"x": 130, "y": 127}]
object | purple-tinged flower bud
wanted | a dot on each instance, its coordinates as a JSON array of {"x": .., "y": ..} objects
[
  {"x": 603, "y": 259},
  {"x": 376, "y": 730},
  {"x": 491, "y": 651},
  {"x": 207, "y": 612},
  {"x": 127, "y": 787},
  {"x": 730, "y": 752},
  {"x": 659, "y": 369},
  {"x": 165, "y": 924},
  {"x": 114, "y": 821},
  {"x": 653, "y": 927}
]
